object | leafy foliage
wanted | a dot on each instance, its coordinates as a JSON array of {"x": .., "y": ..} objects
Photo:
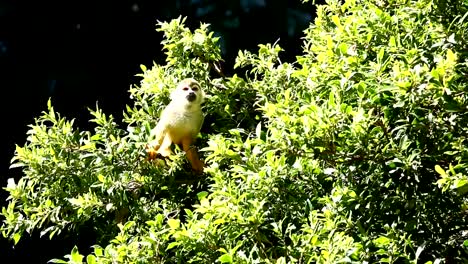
[{"x": 356, "y": 152}]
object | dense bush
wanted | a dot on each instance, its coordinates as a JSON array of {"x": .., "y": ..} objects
[{"x": 356, "y": 152}]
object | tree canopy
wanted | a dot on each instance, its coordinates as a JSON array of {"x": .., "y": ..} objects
[{"x": 355, "y": 152}]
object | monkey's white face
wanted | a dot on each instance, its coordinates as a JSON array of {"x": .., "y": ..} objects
[{"x": 188, "y": 92}]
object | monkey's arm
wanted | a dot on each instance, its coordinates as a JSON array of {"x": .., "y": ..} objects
[{"x": 159, "y": 134}]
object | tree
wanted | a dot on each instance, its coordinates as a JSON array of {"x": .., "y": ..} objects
[{"x": 355, "y": 152}]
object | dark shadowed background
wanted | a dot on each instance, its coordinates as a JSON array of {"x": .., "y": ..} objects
[{"x": 79, "y": 53}]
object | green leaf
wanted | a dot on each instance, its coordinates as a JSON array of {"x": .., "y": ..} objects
[
  {"x": 392, "y": 42},
  {"x": 336, "y": 20},
  {"x": 419, "y": 251},
  {"x": 461, "y": 183},
  {"x": 98, "y": 251},
  {"x": 173, "y": 223},
  {"x": 380, "y": 55},
  {"x": 281, "y": 260},
  {"x": 129, "y": 225},
  {"x": 331, "y": 99},
  {"x": 452, "y": 57},
  {"x": 219, "y": 221},
  {"x": 172, "y": 245},
  {"x": 96, "y": 137},
  {"x": 11, "y": 184},
  {"x": 441, "y": 171},
  {"x": 188, "y": 212},
  {"x": 16, "y": 237},
  {"x": 258, "y": 130},
  {"x": 90, "y": 259},
  {"x": 101, "y": 178},
  {"x": 17, "y": 165},
  {"x": 202, "y": 195},
  {"x": 382, "y": 241},
  {"x": 61, "y": 261},
  {"x": 76, "y": 256},
  {"x": 76, "y": 201},
  {"x": 225, "y": 258}
]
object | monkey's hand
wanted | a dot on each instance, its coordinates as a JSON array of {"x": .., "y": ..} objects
[{"x": 152, "y": 151}]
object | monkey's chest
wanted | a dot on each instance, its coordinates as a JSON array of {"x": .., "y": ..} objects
[{"x": 185, "y": 125}]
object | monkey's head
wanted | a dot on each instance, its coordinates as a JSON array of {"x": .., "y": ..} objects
[{"x": 188, "y": 92}]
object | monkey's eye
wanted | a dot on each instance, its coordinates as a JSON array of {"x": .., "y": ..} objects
[
  {"x": 185, "y": 88},
  {"x": 195, "y": 88}
]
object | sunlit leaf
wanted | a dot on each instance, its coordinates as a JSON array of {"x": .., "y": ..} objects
[
  {"x": 225, "y": 258},
  {"x": 173, "y": 223}
]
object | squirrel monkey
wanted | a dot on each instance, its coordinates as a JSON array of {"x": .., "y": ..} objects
[{"x": 180, "y": 122}]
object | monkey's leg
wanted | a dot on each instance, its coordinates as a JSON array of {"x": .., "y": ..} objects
[
  {"x": 192, "y": 155},
  {"x": 165, "y": 147}
]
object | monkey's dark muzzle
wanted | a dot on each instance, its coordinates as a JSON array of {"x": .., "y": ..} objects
[{"x": 191, "y": 97}]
